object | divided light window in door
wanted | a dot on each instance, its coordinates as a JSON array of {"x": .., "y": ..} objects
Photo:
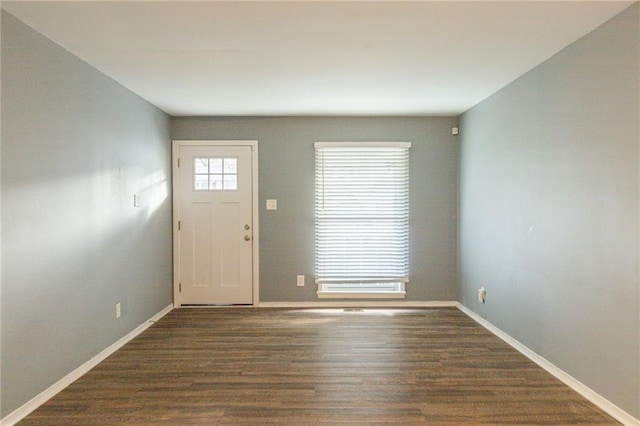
[{"x": 215, "y": 174}]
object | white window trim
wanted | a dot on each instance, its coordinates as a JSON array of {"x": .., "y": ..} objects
[
  {"x": 340, "y": 289},
  {"x": 362, "y": 144}
]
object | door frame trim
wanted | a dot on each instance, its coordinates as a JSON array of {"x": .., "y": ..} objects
[{"x": 175, "y": 151}]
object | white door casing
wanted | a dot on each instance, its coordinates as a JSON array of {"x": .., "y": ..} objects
[{"x": 215, "y": 222}]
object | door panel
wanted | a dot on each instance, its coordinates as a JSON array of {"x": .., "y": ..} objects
[
  {"x": 215, "y": 213},
  {"x": 231, "y": 245},
  {"x": 202, "y": 247}
]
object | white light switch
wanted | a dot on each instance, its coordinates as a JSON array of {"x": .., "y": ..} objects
[
  {"x": 136, "y": 200},
  {"x": 272, "y": 204}
]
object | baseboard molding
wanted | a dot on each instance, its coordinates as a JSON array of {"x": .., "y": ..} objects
[
  {"x": 361, "y": 304},
  {"x": 601, "y": 402},
  {"x": 49, "y": 393}
]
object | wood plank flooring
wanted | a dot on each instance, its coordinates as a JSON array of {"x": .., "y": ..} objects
[{"x": 300, "y": 367}]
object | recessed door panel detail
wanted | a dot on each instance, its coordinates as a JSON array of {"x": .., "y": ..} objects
[
  {"x": 202, "y": 247},
  {"x": 231, "y": 252}
]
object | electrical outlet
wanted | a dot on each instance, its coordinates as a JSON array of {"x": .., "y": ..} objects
[
  {"x": 118, "y": 310},
  {"x": 300, "y": 281}
]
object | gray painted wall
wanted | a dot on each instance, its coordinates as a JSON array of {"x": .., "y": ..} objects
[
  {"x": 76, "y": 146},
  {"x": 549, "y": 210},
  {"x": 286, "y": 173}
]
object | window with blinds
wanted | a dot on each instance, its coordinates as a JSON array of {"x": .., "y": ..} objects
[{"x": 362, "y": 219}]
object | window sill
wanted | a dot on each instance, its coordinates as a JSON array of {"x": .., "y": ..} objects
[
  {"x": 361, "y": 295},
  {"x": 390, "y": 290}
]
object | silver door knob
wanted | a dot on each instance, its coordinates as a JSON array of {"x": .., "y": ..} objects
[{"x": 247, "y": 238}]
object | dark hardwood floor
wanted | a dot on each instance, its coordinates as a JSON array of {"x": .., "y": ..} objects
[{"x": 288, "y": 366}]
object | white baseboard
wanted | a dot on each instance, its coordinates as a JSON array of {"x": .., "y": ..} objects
[
  {"x": 598, "y": 400},
  {"x": 50, "y": 392},
  {"x": 361, "y": 304}
]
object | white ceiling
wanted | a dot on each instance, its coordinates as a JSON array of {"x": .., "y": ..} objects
[{"x": 314, "y": 58}]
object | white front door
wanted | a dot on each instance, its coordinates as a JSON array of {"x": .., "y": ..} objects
[{"x": 215, "y": 224}]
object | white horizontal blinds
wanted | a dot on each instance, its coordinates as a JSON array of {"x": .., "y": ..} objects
[{"x": 362, "y": 212}]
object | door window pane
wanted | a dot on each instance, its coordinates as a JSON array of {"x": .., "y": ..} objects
[
  {"x": 216, "y": 165},
  {"x": 201, "y": 166},
  {"x": 231, "y": 166},
  {"x": 230, "y": 182},
  {"x": 201, "y": 183},
  {"x": 215, "y": 182}
]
